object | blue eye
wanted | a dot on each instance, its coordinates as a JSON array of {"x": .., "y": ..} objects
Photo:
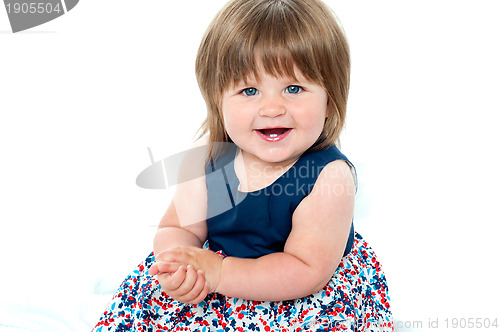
[
  {"x": 249, "y": 91},
  {"x": 293, "y": 89}
]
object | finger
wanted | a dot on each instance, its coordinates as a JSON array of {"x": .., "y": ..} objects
[
  {"x": 174, "y": 281},
  {"x": 167, "y": 267},
  {"x": 189, "y": 281},
  {"x": 197, "y": 287},
  {"x": 153, "y": 269},
  {"x": 178, "y": 254},
  {"x": 199, "y": 290},
  {"x": 203, "y": 294}
]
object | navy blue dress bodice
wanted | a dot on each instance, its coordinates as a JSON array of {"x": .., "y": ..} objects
[{"x": 253, "y": 224}]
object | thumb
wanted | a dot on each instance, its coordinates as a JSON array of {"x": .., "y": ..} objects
[
  {"x": 167, "y": 267},
  {"x": 153, "y": 270}
]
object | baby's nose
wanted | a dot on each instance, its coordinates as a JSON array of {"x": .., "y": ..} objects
[{"x": 272, "y": 107}]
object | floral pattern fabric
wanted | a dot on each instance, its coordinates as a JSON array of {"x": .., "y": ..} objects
[{"x": 355, "y": 299}]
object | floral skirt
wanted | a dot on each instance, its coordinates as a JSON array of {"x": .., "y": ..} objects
[{"x": 355, "y": 299}]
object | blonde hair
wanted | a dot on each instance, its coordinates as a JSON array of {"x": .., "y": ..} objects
[{"x": 280, "y": 35}]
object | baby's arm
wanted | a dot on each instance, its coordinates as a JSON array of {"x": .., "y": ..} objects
[
  {"x": 183, "y": 225},
  {"x": 313, "y": 250},
  {"x": 181, "y": 282},
  {"x": 171, "y": 234}
]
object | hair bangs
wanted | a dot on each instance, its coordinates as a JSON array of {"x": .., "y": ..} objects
[{"x": 262, "y": 47}]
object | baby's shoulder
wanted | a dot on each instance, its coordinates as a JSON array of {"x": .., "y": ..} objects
[{"x": 332, "y": 164}]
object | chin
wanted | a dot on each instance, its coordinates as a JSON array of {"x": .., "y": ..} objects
[{"x": 275, "y": 157}]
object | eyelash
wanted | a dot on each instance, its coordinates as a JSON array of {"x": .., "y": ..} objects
[{"x": 246, "y": 90}]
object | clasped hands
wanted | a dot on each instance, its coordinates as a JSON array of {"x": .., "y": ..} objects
[{"x": 187, "y": 274}]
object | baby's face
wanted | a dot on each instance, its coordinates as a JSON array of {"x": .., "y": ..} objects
[{"x": 274, "y": 119}]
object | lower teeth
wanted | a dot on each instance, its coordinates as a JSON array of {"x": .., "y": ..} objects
[{"x": 273, "y": 135}]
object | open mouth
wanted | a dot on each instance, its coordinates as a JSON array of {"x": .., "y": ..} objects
[{"x": 273, "y": 134}]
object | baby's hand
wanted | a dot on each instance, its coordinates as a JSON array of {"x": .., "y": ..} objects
[
  {"x": 182, "y": 283},
  {"x": 206, "y": 262}
]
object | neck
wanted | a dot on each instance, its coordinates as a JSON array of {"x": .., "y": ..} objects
[{"x": 254, "y": 173}]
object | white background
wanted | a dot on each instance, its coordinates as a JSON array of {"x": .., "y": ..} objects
[{"x": 83, "y": 96}]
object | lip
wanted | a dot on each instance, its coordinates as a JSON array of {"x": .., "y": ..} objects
[{"x": 273, "y": 139}]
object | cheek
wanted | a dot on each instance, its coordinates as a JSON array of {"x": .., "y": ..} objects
[
  {"x": 312, "y": 125},
  {"x": 232, "y": 122},
  {"x": 226, "y": 115},
  {"x": 314, "y": 116},
  {"x": 227, "y": 122},
  {"x": 323, "y": 103},
  {"x": 324, "y": 112}
]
